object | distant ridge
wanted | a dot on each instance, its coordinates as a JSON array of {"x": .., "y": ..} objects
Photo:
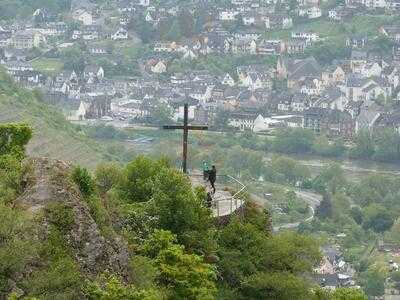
[{"x": 53, "y": 135}]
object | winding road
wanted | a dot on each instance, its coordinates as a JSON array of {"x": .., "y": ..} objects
[{"x": 312, "y": 199}]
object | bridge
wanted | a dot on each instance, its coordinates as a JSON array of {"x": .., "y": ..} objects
[{"x": 229, "y": 195}]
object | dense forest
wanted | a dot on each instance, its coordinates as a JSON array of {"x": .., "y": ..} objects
[{"x": 138, "y": 231}]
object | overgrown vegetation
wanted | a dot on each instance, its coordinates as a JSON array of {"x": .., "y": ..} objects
[{"x": 175, "y": 249}]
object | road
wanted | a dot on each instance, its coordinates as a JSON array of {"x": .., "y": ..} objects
[{"x": 312, "y": 199}]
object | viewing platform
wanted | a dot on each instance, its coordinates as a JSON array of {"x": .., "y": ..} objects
[{"x": 228, "y": 197}]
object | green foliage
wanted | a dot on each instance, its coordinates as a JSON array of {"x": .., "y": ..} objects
[
  {"x": 144, "y": 272},
  {"x": 373, "y": 283},
  {"x": 377, "y": 218},
  {"x": 23, "y": 8},
  {"x": 13, "y": 138},
  {"x": 395, "y": 278},
  {"x": 60, "y": 215},
  {"x": 279, "y": 286},
  {"x": 293, "y": 141},
  {"x": 17, "y": 248},
  {"x": 12, "y": 173},
  {"x": 110, "y": 287},
  {"x": 339, "y": 294},
  {"x": 139, "y": 176},
  {"x": 324, "y": 210},
  {"x": 82, "y": 178},
  {"x": 100, "y": 215},
  {"x": 104, "y": 131},
  {"x": 178, "y": 209},
  {"x": 326, "y": 52},
  {"x": 161, "y": 115},
  {"x": 107, "y": 176},
  {"x": 364, "y": 145},
  {"x": 249, "y": 255},
  {"x": 240, "y": 159},
  {"x": 330, "y": 180},
  {"x": 59, "y": 279},
  {"x": 381, "y": 145},
  {"x": 357, "y": 214},
  {"x": 186, "y": 274},
  {"x": 289, "y": 169},
  {"x": 322, "y": 146}
]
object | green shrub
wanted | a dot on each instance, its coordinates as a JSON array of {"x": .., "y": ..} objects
[
  {"x": 84, "y": 181},
  {"x": 61, "y": 216}
]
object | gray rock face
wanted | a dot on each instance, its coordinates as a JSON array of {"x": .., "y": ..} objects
[{"x": 94, "y": 252}]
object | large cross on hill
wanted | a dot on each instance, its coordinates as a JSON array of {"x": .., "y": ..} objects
[{"x": 186, "y": 127}]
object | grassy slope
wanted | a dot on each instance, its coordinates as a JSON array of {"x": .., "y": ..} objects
[{"x": 53, "y": 135}]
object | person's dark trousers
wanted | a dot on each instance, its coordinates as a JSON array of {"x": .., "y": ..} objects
[{"x": 213, "y": 185}]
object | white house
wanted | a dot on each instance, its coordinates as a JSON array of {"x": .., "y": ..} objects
[
  {"x": 376, "y": 3},
  {"x": 228, "y": 80},
  {"x": 159, "y": 68},
  {"x": 79, "y": 114},
  {"x": 228, "y": 15},
  {"x": 313, "y": 12},
  {"x": 371, "y": 69},
  {"x": 120, "y": 34},
  {"x": 263, "y": 124},
  {"x": 309, "y": 36},
  {"x": 83, "y": 16}
]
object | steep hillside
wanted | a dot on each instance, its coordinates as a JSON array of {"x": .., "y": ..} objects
[
  {"x": 53, "y": 135},
  {"x": 49, "y": 188}
]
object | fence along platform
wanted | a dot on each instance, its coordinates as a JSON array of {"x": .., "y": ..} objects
[{"x": 228, "y": 197}]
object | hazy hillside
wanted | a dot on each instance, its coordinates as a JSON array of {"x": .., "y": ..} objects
[{"x": 53, "y": 135}]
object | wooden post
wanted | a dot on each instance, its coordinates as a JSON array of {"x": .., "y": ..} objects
[
  {"x": 185, "y": 137},
  {"x": 186, "y": 127}
]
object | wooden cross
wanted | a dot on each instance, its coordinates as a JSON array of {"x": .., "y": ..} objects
[{"x": 186, "y": 127}]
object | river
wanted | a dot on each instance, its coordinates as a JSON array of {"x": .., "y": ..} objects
[{"x": 354, "y": 169}]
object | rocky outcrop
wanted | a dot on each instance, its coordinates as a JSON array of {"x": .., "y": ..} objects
[{"x": 49, "y": 182}]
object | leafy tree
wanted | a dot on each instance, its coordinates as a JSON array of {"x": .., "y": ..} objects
[
  {"x": 221, "y": 120},
  {"x": 357, "y": 214},
  {"x": 324, "y": 210},
  {"x": 14, "y": 138},
  {"x": 83, "y": 179},
  {"x": 373, "y": 283},
  {"x": 374, "y": 188},
  {"x": 339, "y": 294},
  {"x": 387, "y": 145},
  {"x": 138, "y": 179},
  {"x": 12, "y": 176},
  {"x": 241, "y": 248},
  {"x": 17, "y": 248},
  {"x": 178, "y": 209},
  {"x": 186, "y": 274},
  {"x": 110, "y": 287},
  {"x": 293, "y": 141},
  {"x": 365, "y": 146},
  {"x": 284, "y": 250},
  {"x": 330, "y": 179},
  {"x": 240, "y": 160},
  {"x": 322, "y": 146},
  {"x": 291, "y": 170},
  {"x": 377, "y": 218},
  {"x": 175, "y": 31},
  {"x": 395, "y": 277},
  {"x": 186, "y": 23},
  {"x": 279, "y": 286},
  {"x": 161, "y": 114},
  {"x": 107, "y": 176}
]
